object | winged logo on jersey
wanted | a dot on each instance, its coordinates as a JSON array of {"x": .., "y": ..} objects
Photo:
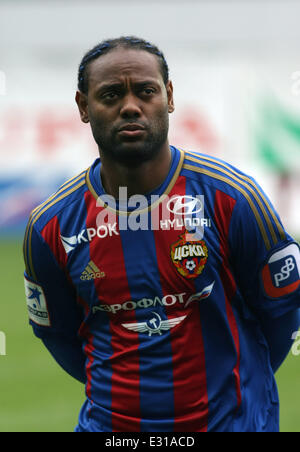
[{"x": 155, "y": 325}]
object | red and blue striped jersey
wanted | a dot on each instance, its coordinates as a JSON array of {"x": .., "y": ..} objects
[{"x": 164, "y": 294}]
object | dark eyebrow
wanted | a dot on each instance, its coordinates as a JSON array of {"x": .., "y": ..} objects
[
  {"x": 118, "y": 85},
  {"x": 108, "y": 86},
  {"x": 146, "y": 82}
]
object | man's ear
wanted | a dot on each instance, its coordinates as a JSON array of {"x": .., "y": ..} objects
[
  {"x": 82, "y": 103},
  {"x": 171, "y": 105}
]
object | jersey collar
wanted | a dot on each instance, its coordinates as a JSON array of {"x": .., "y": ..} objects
[{"x": 94, "y": 183}]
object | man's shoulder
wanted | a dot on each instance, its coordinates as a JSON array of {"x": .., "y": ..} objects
[
  {"x": 248, "y": 195},
  {"x": 210, "y": 166},
  {"x": 220, "y": 174},
  {"x": 66, "y": 195}
]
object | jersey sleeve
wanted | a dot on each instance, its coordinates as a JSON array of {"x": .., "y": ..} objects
[
  {"x": 265, "y": 258},
  {"x": 51, "y": 299}
]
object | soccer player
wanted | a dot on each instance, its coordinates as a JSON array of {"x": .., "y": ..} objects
[{"x": 160, "y": 278}]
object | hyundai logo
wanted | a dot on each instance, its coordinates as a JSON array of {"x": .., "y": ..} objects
[{"x": 185, "y": 205}]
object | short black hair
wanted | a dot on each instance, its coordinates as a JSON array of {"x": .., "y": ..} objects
[{"x": 104, "y": 47}]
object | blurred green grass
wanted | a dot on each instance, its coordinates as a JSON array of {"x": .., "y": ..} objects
[{"x": 37, "y": 396}]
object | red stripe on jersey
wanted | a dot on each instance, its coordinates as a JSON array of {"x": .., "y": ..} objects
[
  {"x": 51, "y": 235},
  {"x": 224, "y": 206},
  {"x": 112, "y": 289},
  {"x": 189, "y": 373}
]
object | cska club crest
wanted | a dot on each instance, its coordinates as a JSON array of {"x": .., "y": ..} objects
[{"x": 189, "y": 257}]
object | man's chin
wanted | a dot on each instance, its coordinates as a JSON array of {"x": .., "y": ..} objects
[{"x": 133, "y": 154}]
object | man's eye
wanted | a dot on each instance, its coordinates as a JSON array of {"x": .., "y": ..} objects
[
  {"x": 149, "y": 90},
  {"x": 110, "y": 95}
]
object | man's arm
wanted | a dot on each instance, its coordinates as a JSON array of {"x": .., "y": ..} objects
[
  {"x": 266, "y": 263},
  {"x": 68, "y": 354},
  {"x": 278, "y": 333},
  {"x": 53, "y": 311}
]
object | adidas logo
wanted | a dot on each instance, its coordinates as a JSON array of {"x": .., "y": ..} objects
[{"x": 92, "y": 272}]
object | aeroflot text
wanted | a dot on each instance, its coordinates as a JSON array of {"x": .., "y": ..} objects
[{"x": 167, "y": 300}]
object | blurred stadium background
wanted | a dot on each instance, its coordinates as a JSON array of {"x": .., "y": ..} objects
[{"x": 236, "y": 71}]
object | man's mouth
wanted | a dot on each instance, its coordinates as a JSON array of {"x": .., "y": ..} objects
[{"x": 132, "y": 130}]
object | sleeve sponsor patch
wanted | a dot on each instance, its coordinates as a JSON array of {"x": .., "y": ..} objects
[
  {"x": 36, "y": 304},
  {"x": 281, "y": 274}
]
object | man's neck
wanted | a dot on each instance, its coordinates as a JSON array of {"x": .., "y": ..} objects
[{"x": 140, "y": 180}]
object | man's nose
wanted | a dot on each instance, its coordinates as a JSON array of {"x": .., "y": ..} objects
[{"x": 130, "y": 106}]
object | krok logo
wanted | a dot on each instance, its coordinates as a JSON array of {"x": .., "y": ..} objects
[
  {"x": 185, "y": 205},
  {"x": 87, "y": 235}
]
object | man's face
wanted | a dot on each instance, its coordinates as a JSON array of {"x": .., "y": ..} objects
[{"x": 128, "y": 105}]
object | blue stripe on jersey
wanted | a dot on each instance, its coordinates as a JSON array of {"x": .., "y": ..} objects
[
  {"x": 213, "y": 312},
  {"x": 154, "y": 350},
  {"x": 101, "y": 370},
  {"x": 259, "y": 414},
  {"x": 216, "y": 347}
]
